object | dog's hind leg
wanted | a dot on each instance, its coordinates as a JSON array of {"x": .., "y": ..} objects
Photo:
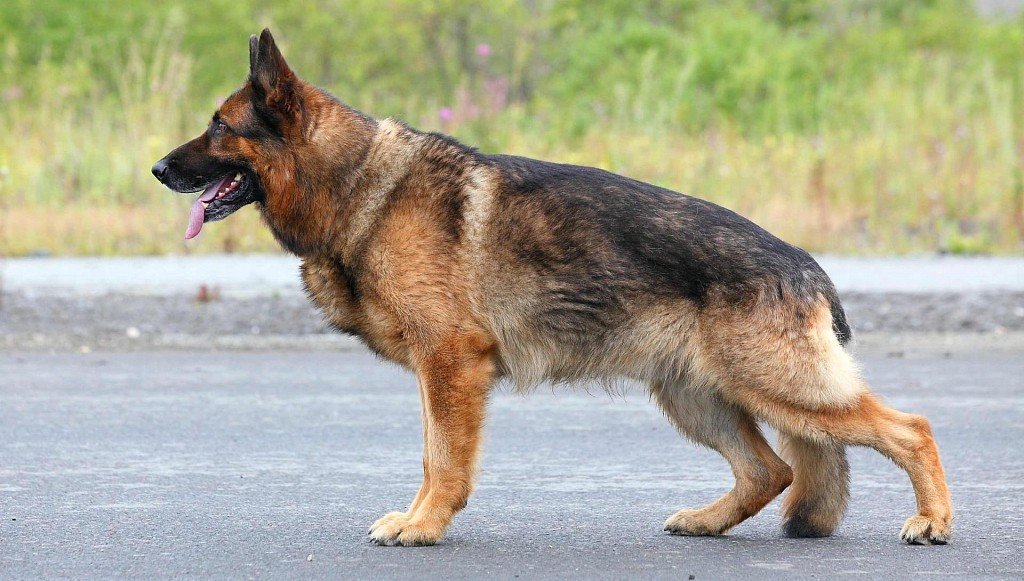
[
  {"x": 760, "y": 474},
  {"x": 817, "y": 499},
  {"x": 904, "y": 438},
  {"x": 785, "y": 365}
]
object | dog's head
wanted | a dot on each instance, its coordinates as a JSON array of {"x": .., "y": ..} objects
[{"x": 236, "y": 160}]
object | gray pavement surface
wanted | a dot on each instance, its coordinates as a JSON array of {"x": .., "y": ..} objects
[{"x": 273, "y": 464}]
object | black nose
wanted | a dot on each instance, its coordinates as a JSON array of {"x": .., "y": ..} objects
[{"x": 160, "y": 169}]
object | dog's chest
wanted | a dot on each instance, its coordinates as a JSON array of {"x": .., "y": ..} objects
[
  {"x": 333, "y": 291},
  {"x": 349, "y": 309}
]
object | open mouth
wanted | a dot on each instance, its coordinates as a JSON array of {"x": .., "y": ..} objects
[{"x": 217, "y": 201}]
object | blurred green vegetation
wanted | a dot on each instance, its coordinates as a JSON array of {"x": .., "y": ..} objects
[{"x": 851, "y": 126}]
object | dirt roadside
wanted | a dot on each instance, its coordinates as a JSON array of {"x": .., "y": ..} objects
[{"x": 136, "y": 322}]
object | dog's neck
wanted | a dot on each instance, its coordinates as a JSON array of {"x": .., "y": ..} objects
[
  {"x": 387, "y": 162},
  {"x": 344, "y": 171}
]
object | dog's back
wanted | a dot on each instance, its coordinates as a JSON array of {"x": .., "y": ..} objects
[{"x": 580, "y": 259}]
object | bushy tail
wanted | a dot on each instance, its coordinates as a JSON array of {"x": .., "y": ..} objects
[
  {"x": 839, "y": 324},
  {"x": 821, "y": 486}
]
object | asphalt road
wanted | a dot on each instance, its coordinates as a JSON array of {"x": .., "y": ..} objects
[{"x": 271, "y": 464}]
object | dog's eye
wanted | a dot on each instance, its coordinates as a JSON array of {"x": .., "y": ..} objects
[{"x": 219, "y": 128}]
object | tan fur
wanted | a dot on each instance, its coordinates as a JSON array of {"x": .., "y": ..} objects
[
  {"x": 388, "y": 161},
  {"x": 760, "y": 475},
  {"x": 787, "y": 352}
]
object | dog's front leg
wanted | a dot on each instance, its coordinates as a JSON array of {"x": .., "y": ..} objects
[
  {"x": 454, "y": 383},
  {"x": 393, "y": 521}
]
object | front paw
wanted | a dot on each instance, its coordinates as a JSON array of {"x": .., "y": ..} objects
[
  {"x": 923, "y": 530},
  {"x": 387, "y": 528},
  {"x": 419, "y": 534},
  {"x": 398, "y": 530}
]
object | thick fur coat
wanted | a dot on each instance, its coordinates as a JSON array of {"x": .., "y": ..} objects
[{"x": 470, "y": 268}]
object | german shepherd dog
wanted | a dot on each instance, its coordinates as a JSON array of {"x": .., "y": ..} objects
[{"x": 470, "y": 268}]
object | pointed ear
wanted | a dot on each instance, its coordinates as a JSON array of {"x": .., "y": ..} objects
[
  {"x": 269, "y": 73},
  {"x": 254, "y": 51}
]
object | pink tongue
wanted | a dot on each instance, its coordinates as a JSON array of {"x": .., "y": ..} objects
[{"x": 198, "y": 211}]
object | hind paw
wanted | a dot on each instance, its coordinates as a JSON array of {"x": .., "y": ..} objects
[
  {"x": 924, "y": 530},
  {"x": 801, "y": 525},
  {"x": 697, "y": 523}
]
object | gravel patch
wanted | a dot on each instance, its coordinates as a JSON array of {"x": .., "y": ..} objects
[
  {"x": 31, "y": 321},
  {"x": 988, "y": 312}
]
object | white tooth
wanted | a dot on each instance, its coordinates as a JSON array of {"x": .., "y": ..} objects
[{"x": 238, "y": 176}]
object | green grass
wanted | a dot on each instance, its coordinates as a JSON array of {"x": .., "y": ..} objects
[{"x": 851, "y": 126}]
